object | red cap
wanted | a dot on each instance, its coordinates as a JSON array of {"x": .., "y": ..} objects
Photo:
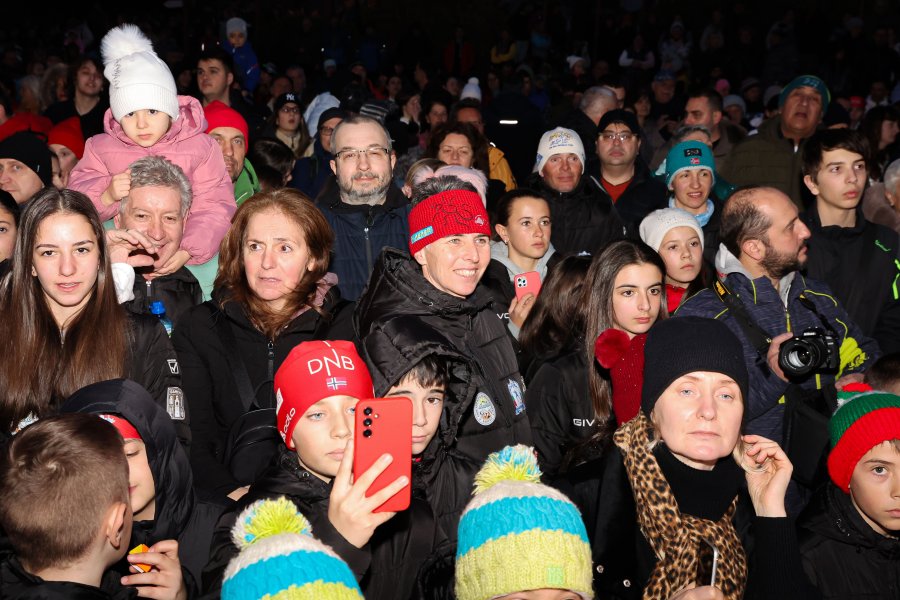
[
  {"x": 125, "y": 429},
  {"x": 219, "y": 115},
  {"x": 313, "y": 371},
  {"x": 68, "y": 133},
  {"x": 452, "y": 212},
  {"x": 857, "y": 102}
]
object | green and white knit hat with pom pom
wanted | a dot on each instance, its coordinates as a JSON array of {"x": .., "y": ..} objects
[
  {"x": 518, "y": 534},
  {"x": 280, "y": 560}
]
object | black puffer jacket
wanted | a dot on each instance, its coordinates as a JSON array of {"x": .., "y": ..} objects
[
  {"x": 400, "y": 311},
  {"x": 386, "y": 567},
  {"x": 584, "y": 220},
  {"x": 212, "y": 389},
  {"x": 643, "y": 195},
  {"x": 842, "y": 555},
  {"x": 180, "y": 514}
]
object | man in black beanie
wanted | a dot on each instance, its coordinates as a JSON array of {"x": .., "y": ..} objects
[{"x": 24, "y": 165}]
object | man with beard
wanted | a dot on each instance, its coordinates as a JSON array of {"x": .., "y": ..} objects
[
  {"x": 365, "y": 211},
  {"x": 761, "y": 291},
  {"x": 229, "y": 129}
]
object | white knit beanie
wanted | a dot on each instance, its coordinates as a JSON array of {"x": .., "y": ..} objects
[
  {"x": 657, "y": 224},
  {"x": 138, "y": 79},
  {"x": 471, "y": 90},
  {"x": 558, "y": 141},
  {"x": 235, "y": 24}
]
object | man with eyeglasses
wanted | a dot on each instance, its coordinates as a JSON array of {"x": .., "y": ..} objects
[
  {"x": 584, "y": 219},
  {"x": 366, "y": 212},
  {"x": 624, "y": 178}
]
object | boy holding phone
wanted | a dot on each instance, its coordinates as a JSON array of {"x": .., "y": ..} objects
[{"x": 317, "y": 389}]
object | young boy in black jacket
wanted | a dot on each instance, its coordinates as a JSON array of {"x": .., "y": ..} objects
[
  {"x": 317, "y": 388},
  {"x": 849, "y": 532},
  {"x": 168, "y": 514},
  {"x": 65, "y": 509}
]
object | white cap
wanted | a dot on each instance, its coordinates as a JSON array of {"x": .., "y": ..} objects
[
  {"x": 471, "y": 90},
  {"x": 657, "y": 224},
  {"x": 558, "y": 141},
  {"x": 138, "y": 78}
]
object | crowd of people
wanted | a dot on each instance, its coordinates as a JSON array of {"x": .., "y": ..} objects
[{"x": 648, "y": 328}]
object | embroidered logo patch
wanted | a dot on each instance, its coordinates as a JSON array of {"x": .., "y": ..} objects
[
  {"x": 693, "y": 152},
  {"x": 173, "y": 365},
  {"x": 175, "y": 403},
  {"x": 485, "y": 412},
  {"x": 422, "y": 233}
]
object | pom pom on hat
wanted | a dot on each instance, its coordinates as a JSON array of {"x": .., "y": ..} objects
[
  {"x": 864, "y": 418},
  {"x": 471, "y": 90},
  {"x": 517, "y": 534},
  {"x": 138, "y": 79},
  {"x": 280, "y": 559}
]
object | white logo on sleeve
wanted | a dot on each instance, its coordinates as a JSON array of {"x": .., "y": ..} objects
[{"x": 485, "y": 412}]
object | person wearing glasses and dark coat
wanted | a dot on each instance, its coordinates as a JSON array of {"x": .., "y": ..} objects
[{"x": 365, "y": 211}]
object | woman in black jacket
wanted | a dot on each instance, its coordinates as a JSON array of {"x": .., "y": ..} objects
[
  {"x": 272, "y": 292},
  {"x": 60, "y": 318},
  {"x": 665, "y": 506}
]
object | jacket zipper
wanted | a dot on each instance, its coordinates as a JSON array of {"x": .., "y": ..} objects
[
  {"x": 369, "y": 221},
  {"x": 270, "y": 353},
  {"x": 149, "y": 283}
]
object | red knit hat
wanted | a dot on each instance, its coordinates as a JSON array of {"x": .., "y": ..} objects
[
  {"x": 125, "y": 429},
  {"x": 624, "y": 358},
  {"x": 313, "y": 371},
  {"x": 68, "y": 133},
  {"x": 219, "y": 115},
  {"x": 452, "y": 212},
  {"x": 864, "y": 419}
]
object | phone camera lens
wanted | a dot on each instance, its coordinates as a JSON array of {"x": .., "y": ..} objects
[
  {"x": 368, "y": 410},
  {"x": 367, "y": 433},
  {"x": 367, "y": 422}
]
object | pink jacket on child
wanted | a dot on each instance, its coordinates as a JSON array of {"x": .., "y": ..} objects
[{"x": 185, "y": 144}]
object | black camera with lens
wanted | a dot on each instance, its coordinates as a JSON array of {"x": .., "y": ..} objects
[{"x": 811, "y": 351}]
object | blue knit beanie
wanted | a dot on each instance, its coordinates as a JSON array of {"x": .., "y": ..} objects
[
  {"x": 809, "y": 81},
  {"x": 689, "y": 155}
]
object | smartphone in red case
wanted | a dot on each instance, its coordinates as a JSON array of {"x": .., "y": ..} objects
[
  {"x": 384, "y": 426},
  {"x": 527, "y": 283}
]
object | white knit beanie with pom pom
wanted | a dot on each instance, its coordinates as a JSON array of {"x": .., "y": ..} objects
[{"x": 138, "y": 78}]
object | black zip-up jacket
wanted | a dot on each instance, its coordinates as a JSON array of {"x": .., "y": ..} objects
[
  {"x": 860, "y": 266},
  {"x": 401, "y": 310},
  {"x": 179, "y": 292},
  {"x": 386, "y": 567},
  {"x": 361, "y": 232},
  {"x": 584, "y": 220},
  {"x": 842, "y": 555},
  {"x": 643, "y": 195},
  {"x": 180, "y": 514},
  {"x": 212, "y": 389}
]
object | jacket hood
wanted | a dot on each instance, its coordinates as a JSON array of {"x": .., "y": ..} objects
[
  {"x": 168, "y": 461},
  {"x": 500, "y": 253},
  {"x": 189, "y": 123},
  {"x": 728, "y": 264},
  {"x": 832, "y": 515}
]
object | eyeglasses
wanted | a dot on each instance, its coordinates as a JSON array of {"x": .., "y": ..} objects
[
  {"x": 290, "y": 110},
  {"x": 351, "y": 155},
  {"x": 622, "y": 136},
  {"x": 327, "y": 130}
]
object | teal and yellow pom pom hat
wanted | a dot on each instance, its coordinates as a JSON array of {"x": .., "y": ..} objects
[
  {"x": 280, "y": 560},
  {"x": 518, "y": 534}
]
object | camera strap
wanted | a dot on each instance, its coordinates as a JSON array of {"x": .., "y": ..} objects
[
  {"x": 810, "y": 306},
  {"x": 756, "y": 336}
]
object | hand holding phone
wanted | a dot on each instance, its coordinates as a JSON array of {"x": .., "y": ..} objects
[
  {"x": 384, "y": 426},
  {"x": 527, "y": 283}
]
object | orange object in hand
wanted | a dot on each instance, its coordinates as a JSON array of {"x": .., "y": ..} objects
[{"x": 139, "y": 549}]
